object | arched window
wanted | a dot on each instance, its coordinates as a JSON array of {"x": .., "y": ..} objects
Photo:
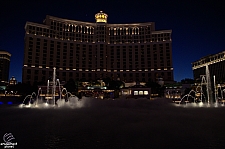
[
  {"x": 130, "y": 31},
  {"x": 82, "y": 29}
]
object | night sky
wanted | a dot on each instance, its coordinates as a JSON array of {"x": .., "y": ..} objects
[{"x": 198, "y": 28}]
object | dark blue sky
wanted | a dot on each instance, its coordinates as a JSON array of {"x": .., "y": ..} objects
[{"x": 198, "y": 28}]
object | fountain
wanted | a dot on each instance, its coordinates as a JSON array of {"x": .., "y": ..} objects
[
  {"x": 31, "y": 100},
  {"x": 220, "y": 92},
  {"x": 204, "y": 87},
  {"x": 36, "y": 100},
  {"x": 208, "y": 85}
]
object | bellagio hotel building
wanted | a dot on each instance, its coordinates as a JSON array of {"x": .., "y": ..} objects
[{"x": 90, "y": 51}]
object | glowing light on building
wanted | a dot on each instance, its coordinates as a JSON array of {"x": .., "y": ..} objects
[{"x": 101, "y": 17}]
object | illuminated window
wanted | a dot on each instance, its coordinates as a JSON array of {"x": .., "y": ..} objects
[
  {"x": 145, "y": 92},
  {"x": 140, "y": 92},
  {"x": 135, "y": 92}
]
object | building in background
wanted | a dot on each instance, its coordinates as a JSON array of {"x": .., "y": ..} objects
[
  {"x": 91, "y": 51},
  {"x": 12, "y": 81},
  {"x": 216, "y": 65},
  {"x": 4, "y": 66}
]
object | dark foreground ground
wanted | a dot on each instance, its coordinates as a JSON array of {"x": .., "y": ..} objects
[{"x": 114, "y": 124}]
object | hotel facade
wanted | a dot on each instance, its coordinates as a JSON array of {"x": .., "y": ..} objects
[
  {"x": 4, "y": 65},
  {"x": 216, "y": 66},
  {"x": 91, "y": 51}
]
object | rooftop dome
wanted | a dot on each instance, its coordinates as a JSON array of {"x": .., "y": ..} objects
[{"x": 101, "y": 17}]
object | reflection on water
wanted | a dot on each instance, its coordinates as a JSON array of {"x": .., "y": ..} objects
[
  {"x": 199, "y": 105},
  {"x": 116, "y": 123}
]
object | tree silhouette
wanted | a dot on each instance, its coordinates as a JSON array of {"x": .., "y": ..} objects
[{"x": 70, "y": 86}]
